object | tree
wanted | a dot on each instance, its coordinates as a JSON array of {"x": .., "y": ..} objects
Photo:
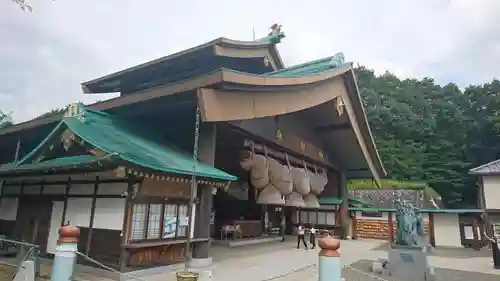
[{"x": 432, "y": 133}]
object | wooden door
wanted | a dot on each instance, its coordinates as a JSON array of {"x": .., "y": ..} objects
[{"x": 34, "y": 221}]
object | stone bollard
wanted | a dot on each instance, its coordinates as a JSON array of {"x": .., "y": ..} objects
[
  {"x": 329, "y": 265},
  {"x": 65, "y": 255}
]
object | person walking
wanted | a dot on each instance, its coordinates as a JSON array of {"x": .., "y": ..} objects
[
  {"x": 495, "y": 250},
  {"x": 312, "y": 236},
  {"x": 282, "y": 228},
  {"x": 301, "y": 231}
]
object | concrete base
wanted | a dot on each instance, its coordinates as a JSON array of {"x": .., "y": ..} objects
[
  {"x": 200, "y": 263},
  {"x": 26, "y": 272},
  {"x": 409, "y": 263}
]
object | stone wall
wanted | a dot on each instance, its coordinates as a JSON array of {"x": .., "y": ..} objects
[{"x": 377, "y": 229}]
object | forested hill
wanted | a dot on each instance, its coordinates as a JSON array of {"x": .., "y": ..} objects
[{"x": 433, "y": 133}]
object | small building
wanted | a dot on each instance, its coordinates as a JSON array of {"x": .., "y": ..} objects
[
  {"x": 489, "y": 194},
  {"x": 242, "y": 105}
]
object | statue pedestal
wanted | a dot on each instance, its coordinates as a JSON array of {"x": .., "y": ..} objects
[{"x": 409, "y": 263}]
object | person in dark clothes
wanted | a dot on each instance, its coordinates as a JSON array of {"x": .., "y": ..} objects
[
  {"x": 301, "y": 232},
  {"x": 312, "y": 236},
  {"x": 282, "y": 228},
  {"x": 495, "y": 250}
]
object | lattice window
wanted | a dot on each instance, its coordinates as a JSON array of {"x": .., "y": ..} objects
[
  {"x": 183, "y": 221},
  {"x": 304, "y": 217},
  {"x": 138, "y": 223},
  {"x": 170, "y": 221},
  {"x": 154, "y": 221},
  {"x": 330, "y": 218},
  {"x": 312, "y": 217},
  {"x": 322, "y": 218}
]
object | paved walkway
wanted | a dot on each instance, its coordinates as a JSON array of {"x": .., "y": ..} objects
[{"x": 281, "y": 261}]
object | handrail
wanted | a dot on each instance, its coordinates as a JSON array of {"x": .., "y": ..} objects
[{"x": 19, "y": 242}]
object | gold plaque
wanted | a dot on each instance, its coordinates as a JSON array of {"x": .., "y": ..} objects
[
  {"x": 321, "y": 155},
  {"x": 267, "y": 61},
  {"x": 279, "y": 135}
]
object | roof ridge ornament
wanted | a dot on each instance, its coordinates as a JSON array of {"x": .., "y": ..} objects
[
  {"x": 75, "y": 110},
  {"x": 337, "y": 60},
  {"x": 5, "y": 119},
  {"x": 275, "y": 35}
]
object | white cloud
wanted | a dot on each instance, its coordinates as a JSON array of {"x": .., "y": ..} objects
[{"x": 44, "y": 55}]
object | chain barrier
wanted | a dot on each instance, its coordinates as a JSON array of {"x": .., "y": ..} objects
[
  {"x": 14, "y": 247},
  {"x": 128, "y": 276}
]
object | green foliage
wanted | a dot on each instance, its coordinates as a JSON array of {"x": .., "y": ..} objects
[{"x": 432, "y": 133}]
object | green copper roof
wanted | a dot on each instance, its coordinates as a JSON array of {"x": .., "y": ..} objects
[
  {"x": 330, "y": 201},
  {"x": 52, "y": 164},
  {"x": 129, "y": 142},
  {"x": 312, "y": 67}
]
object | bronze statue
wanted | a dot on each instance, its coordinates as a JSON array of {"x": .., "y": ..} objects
[{"x": 409, "y": 224}]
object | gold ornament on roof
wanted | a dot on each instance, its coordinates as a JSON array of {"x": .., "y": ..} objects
[
  {"x": 302, "y": 146},
  {"x": 279, "y": 135},
  {"x": 321, "y": 155},
  {"x": 340, "y": 106},
  {"x": 267, "y": 61}
]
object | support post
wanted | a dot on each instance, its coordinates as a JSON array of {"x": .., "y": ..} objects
[
  {"x": 432, "y": 235},
  {"x": 390, "y": 228},
  {"x": 354, "y": 225},
  {"x": 206, "y": 152},
  {"x": 65, "y": 255},
  {"x": 329, "y": 265},
  {"x": 344, "y": 207}
]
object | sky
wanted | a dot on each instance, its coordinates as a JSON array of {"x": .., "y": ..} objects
[{"x": 46, "y": 54}]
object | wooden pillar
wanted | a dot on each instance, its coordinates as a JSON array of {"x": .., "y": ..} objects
[
  {"x": 482, "y": 204},
  {"x": 344, "y": 207},
  {"x": 92, "y": 216},
  {"x": 127, "y": 218},
  {"x": 390, "y": 223},
  {"x": 431, "y": 230},
  {"x": 354, "y": 225},
  {"x": 206, "y": 155},
  {"x": 2, "y": 183},
  {"x": 65, "y": 205}
]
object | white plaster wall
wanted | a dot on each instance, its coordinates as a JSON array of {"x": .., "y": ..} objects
[
  {"x": 109, "y": 213},
  {"x": 78, "y": 211},
  {"x": 8, "y": 208},
  {"x": 447, "y": 230},
  {"x": 491, "y": 185},
  {"x": 55, "y": 224}
]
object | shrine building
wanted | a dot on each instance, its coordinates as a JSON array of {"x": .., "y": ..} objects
[{"x": 270, "y": 142}]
